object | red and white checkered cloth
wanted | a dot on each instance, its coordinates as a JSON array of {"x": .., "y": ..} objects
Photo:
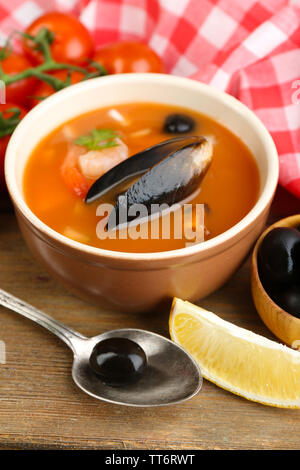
[{"x": 248, "y": 48}]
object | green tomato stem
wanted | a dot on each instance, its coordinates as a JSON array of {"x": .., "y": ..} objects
[
  {"x": 8, "y": 125},
  {"x": 42, "y": 41}
]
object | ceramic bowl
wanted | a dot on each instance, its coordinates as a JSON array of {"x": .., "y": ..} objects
[
  {"x": 137, "y": 282},
  {"x": 285, "y": 326}
]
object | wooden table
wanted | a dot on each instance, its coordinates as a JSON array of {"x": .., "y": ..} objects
[{"x": 40, "y": 407}]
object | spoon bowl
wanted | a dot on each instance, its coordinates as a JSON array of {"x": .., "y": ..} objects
[{"x": 171, "y": 375}]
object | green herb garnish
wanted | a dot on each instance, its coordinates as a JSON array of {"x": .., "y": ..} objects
[{"x": 98, "y": 139}]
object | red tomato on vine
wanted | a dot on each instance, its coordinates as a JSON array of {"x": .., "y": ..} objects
[
  {"x": 71, "y": 42},
  {"x": 13, "y": 63},
  {"x": 128, "y": 57},
  {"x": 44, "y": 89}
]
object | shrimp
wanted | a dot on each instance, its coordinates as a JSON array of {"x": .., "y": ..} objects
[
  {"x": 81, "y": 168},
  {"x": 71, "y": 174},
  {"x": 95, "y": 163}
]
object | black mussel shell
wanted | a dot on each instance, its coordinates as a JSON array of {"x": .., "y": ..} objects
[
  {"x": 172, "y": 180},
  {"x": 278, "y": 257},
  {"x": 136, "y": 165}
]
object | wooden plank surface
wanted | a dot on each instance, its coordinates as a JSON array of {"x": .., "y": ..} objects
[{"x": 40, "y": 407}]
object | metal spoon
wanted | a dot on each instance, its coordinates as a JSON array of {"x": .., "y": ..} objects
[{"x": 171, "y": 375}]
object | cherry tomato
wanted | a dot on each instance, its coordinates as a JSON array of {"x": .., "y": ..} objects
[
  {"x": 17, "y": 92},
  {"x": 72, "y": 42},
  {"x": 128, "y": 57},
  {"x": 6, "y": 114},
  {"x": 44, "y": 89}
]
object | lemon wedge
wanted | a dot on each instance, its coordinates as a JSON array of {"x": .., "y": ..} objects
[{"x": 236, "y": 359}]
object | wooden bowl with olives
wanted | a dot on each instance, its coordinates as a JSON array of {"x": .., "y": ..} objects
[{"x": 275, "y": 279}]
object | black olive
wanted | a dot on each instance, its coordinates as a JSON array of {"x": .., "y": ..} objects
[
  {"x": 289, "y": 300},
  {"x": 278, "y": 256},
  {"x": 118, "y": 361},
  {"x": 179, "y": 124}
]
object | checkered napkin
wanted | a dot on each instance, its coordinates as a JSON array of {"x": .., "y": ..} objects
[{"x": 248, "y": 48}]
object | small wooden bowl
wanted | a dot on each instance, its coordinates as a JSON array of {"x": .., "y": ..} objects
[{"x": 284, "y": 325}]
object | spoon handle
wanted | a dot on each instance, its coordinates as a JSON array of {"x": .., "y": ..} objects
[{"x": 69, "y": 336}]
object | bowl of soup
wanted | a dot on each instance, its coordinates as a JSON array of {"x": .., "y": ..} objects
[{"x": 66, "y": 145}]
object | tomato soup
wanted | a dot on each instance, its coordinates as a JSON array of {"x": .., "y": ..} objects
[{"x": 65, "y": 164}]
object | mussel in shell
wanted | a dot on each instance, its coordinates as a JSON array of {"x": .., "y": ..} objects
[
  {"x": 170, "y": 181},
  {"x": 136, "y": 165}
]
